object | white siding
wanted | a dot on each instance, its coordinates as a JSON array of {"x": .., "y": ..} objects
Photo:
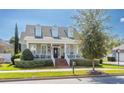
[{"x": 121, "y": 57}]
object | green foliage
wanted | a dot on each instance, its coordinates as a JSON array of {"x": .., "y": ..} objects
[
  {"x": 113, "y": 41},
  {"x": 12, "y": 60},
  {"x": 12, "y": 40},
  {"x": 111, "y": 58},
  {"x": 27, "y": 55},
  {"x": 18, "y": 55},
  {"x": 16, "y": 47},
  {"x": 92, "y": 25},
  {"x": 33, "y": 63},
  {"x": 84, "y": 62}
]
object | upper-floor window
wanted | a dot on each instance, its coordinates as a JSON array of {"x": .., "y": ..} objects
[
  {"x": 55, "y": 32},
  {"x": 70, "y": 32},
  {"x": 38, "y": 32}
]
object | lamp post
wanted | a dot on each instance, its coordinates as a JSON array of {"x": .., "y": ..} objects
[
  {"x": 118, "y": 51},
  {"x": 73, "y": 67}
]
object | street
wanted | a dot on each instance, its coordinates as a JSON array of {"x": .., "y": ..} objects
[{"x": 89, "y": 80}]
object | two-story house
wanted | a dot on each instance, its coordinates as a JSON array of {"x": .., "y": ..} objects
[{"x": 51, "y": 42}]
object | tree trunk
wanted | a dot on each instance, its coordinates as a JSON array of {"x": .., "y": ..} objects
[{"x": 93, "y": 65}]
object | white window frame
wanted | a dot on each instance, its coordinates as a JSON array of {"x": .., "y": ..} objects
[
  {"x": 55, "y": 32},
  {"x": 38, "y": 31}
]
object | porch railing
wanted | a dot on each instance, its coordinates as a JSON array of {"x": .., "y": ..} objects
[
  {"x": 43, "y": 56},
  {"x": 74, "y": 56},
  {"x": 67, "y": 59},
  {"x": 53, "y": 59}
]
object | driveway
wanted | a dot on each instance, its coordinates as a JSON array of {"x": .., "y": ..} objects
[{"x": 90, "y": 80}]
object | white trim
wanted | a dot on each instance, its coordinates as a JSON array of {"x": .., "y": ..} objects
[
  {"x": 49, "y": 40},
  {"x": 27, "y": 45}
]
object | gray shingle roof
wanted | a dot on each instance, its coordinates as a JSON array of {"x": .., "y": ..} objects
[{"x": 46, "y": 30}]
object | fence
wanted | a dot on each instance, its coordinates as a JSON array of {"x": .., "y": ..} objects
[{"x": 6, "y": 57}]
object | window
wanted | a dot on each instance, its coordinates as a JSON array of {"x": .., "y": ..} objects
[
  {"x": 43, "y": 49},
  {"x": 38, "y": 32},
  {"x": 55, "y": 32},
  {"x": 70, "y": 32}
]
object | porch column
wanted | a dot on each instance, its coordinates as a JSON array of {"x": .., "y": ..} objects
[
  {"x": 65, "y": 48},
  {"x": 77, "y": 49},
  {"x": 46, "y": 49},
  {"x": 27, "y": 45},
  {"x": 51, "y": 49}
]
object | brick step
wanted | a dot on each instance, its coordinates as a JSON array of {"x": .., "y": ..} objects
[{"x": 61, "y": 63}]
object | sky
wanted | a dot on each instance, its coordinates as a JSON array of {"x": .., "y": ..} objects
[{"x": 8, "y": 19}]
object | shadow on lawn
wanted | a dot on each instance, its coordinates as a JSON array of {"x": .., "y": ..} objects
[{"x": 9, "y": 65}]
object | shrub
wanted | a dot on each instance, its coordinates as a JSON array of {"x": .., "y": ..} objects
[
  {"x": 111, "y": 58},
  {"x": 100, "y": 61},
  {"x": 84, "y": 62},
  {"x": 12, "y": 60},
  {"x": 33, "y": 63},
  {"x": 18, "y": 55},
  {"x": 27, "y": 55}
]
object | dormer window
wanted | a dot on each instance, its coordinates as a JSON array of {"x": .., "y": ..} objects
[
  {"x": 38, "y": 32},
  {"x": 70, "y": 32},
  {"x": 55, "y": 32}
]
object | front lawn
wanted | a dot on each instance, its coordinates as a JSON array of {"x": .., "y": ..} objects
[
  {"x": 11, "y": 67},
  {"x": 24, "y": 75},
  {"x": 39, "y": 74},
  {"x": 112, "y": 66}
]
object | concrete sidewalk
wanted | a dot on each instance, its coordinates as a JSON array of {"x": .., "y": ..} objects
[{"x": 56, "y": 70}]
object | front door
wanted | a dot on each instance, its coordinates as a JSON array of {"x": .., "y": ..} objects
[{"x": 55, "y": 52}]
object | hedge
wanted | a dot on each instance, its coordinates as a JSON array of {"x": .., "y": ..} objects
[
  {"x": 84, "y": 62},
  {"x": 111, "y": 59},
  {"x": 27, "y": 55},
  {"x": 33, "y": 63}
]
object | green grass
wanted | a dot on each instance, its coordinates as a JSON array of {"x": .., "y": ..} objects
[
  {"x": 114, "y": 72},
  {"x": 112, "y": 66},
  {"x": 9, "y": 67},
  {"x": 12, "y": 67},
  {"x": 39, "y": 74},
  {"x": 23, "y": 75}
]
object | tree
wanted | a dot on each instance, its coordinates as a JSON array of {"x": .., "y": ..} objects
[
  {"x": 93, "y": 27},
  {"x": 12, "y": 40},
  {"x": 27, "y": 55},
  {"x": 16, "y": 47}
]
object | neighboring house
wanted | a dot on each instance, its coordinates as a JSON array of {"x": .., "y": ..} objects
[
  {"x": 5, "y": 47},
  {"x": 5, "y": 51},
  {"x": 121, "y": 52},
  {"x": 50, "y": 42}
]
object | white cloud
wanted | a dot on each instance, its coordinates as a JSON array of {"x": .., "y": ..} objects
[{"x": 122, "y": 19}]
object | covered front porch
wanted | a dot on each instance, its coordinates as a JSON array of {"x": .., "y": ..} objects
[
  {"x": 51, "y": 48},
  {"x": 46, "y": 51}
]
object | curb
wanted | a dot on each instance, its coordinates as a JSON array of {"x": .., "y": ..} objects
[{"x": 50, "y": 78}]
